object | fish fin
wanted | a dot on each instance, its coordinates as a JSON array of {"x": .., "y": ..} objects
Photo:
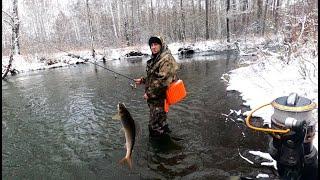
[
  {"x": 116, "y": 117},
  {"x": 127, "y": 160}
]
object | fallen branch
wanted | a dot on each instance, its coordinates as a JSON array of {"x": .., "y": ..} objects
[{"x": 7, "y": 67}]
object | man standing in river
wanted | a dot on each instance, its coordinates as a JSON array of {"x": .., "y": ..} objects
[{"x": 161, "y": 71}]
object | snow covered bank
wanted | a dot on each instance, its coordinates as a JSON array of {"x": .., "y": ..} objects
[
  {"x": 200, "y": 46},
  {"x": 25, "y": 63},
  {"x": 34, "y": 62},
  {"x": 269, "y": 77}
]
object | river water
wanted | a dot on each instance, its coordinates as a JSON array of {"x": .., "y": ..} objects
[{"x": 57, "y": 124}]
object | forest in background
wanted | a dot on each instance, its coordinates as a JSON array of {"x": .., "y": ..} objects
[{"x": 82, "y": 24}]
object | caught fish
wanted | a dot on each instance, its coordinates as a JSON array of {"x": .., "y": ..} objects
[{"x": 129, "y": 128}]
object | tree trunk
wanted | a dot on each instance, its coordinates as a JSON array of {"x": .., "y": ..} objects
[
  {"x": 207, "y": 20},
  {"x": 138, "y": 12},
  {"x": 5, "y": 73},
  {"x": 132, "y": 22},
  {"x": 174, "y": 24},
  {"x": 119, "y": 17},
  {"x": 152, "y": 15},
  {"x": 273, "y": 6},
  {"x": 167, "y": 30},
  {"x": 126, "y": 25},
  {"x": 227, "y": 19},
  {"x": 113, "y": 21},
  {"x": 264, "y": 18},
  {"x": 15, "y": 29},
  {"x": 158, "y": 18},
  {"x": 219, "y": 25},
  {"x": 194, "y": 24},
  {"x": 259, "y": 14},
  {"x": 183, "y": 32},
  {"x": 259, "y": 10},
  {"x": 276, "y": 17},
  {"x": 244, "y": 15},
  {"x": 200, "y": 17},
  {"x": 90, "y": 28},
  {"x": 76, "y": 30}
]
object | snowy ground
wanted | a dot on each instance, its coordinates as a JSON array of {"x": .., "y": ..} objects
[
  {"x": 269, "y": 77},
  {"x": 33, "y": 62},
  {"x": 259, "y": 82}
]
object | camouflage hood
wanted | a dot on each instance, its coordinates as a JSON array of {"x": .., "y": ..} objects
[
  {"x": 157, "y": 59},
  {"x": 161, "y": 71},
  {"x": 163, "y": 51}
]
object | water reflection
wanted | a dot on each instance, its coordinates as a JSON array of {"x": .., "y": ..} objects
[
  {"x": 166, "y": 156},
  {"x": 163, "y": 144}
]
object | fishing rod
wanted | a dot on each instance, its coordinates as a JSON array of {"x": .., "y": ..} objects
[
  {"x": 112, "y": 71},
  {"x": 87, "y": 60}
]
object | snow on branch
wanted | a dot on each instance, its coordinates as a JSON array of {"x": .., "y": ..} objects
[
  {"x": 8, "y": 22},
  {"x": 10, "y": 16}
]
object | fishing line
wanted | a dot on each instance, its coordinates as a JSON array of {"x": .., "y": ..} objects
[
  {"x": 87, "y": 60},
  {"x": 242, "y": 137}
]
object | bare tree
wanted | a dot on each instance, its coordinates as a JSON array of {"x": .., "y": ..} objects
[
  {"x": 113, "y": 20},
  {"x": 194, "y": 23},
  {"x": 207, "y": 19},
  {"x": 132, "y": 22},
  {"x": 227, "y": 21},
  {"x": 152, "y": 13},
  {"x": 7, "y": 68},
  {"x": 119, "y": 16},
  {"x": 244, "y": 9},
  {"x": 16, "y": 28},
  {"x": 183, "y": 31},
  {"x": 276, "y": 16},
  {"x": 264, "y": 17},
  {"x": 259, "y": 15},
  {"x": 117, "y": 21},
  {"x": 91, "y": 28},
  {"x": 14, "y": 22},
  {"x": 126, "y": 23}
]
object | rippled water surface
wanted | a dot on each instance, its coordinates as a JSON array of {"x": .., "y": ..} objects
[{"x": 56, "y": 124}]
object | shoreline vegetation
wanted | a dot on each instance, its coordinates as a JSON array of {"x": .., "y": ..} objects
[{"x": 32, "y": 62}]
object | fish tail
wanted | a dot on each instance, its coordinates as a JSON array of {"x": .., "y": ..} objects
[{"x": 127, "y": 160}]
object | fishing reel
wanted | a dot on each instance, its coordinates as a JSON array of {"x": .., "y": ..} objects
[
  {"x": 292, "y": 131},
  {"x": 133, "y": 85}
]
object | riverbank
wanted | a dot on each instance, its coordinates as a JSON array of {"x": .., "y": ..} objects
[
  {"x": 24, "y": 63},
  {"x": 273, "y": 76}
]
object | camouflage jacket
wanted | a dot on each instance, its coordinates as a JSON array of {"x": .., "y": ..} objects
[{"x": 161, "y": 71}]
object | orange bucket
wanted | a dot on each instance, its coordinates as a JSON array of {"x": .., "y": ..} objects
[{"x": 174, "y": 94}]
